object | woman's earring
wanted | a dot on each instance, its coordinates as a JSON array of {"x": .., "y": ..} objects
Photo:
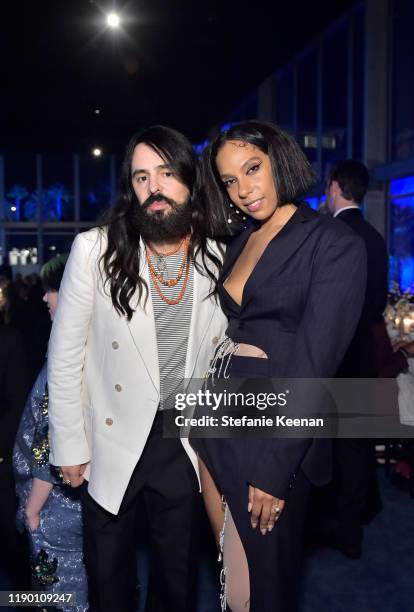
[{"x": 229, "y": 219}]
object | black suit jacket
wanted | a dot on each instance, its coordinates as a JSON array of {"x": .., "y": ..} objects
[
  {"x": 360, "y": 360},
  {"x": 301, "y": 305}
]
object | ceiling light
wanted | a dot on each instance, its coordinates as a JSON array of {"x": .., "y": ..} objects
[{"x": 113, "y": 20}]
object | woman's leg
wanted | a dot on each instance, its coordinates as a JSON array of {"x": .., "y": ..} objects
[
  {"x": 212, "y": 501},
  {"x": 235, "y": 568}
]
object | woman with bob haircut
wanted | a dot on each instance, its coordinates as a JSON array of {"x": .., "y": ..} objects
[{"x": 292, "y": 286}]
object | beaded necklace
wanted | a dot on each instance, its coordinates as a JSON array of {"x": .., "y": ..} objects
[{"x": 158, "y": 278}]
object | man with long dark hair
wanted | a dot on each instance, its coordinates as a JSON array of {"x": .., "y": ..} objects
[{"x": 136, "y": 316}]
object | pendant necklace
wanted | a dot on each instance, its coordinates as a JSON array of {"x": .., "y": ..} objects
[
  {"x": 158, "y": 277},
  {"x": 160, "y": 258}
]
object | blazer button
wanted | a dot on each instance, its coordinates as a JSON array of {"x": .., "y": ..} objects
[
  {"x": 215, "y": 339},
  {"x": 118, "y": 387},
  {"x": 109, "y": 422},
  {"x": 115, "y": 345}
]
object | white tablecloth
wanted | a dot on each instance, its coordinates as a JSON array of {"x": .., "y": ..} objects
[
  {"x": 406, "y": 395},
  {"x": 405, "y": 385}
]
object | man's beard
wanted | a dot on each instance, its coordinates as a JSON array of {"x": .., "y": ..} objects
[{"x": 163, "y": 224}]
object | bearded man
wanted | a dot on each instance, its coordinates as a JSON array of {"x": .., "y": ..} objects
[{"x": 136, "y": 317}]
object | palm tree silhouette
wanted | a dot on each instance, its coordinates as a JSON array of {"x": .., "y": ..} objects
[
  {"x": 57, "y": 195},
  {"x": 18, "y": 193}
]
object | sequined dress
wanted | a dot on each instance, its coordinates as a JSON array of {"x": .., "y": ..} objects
[{"x": 56, "y": 545}]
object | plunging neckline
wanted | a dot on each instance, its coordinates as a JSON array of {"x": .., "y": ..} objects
[{"x": 257, "y": 263}]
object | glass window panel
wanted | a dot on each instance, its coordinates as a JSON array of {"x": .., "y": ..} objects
[
  {"x": 95, "y": 186},
  {"x": 56, "y": 244},
  {"x": 307, "y": 118},
  {"x": 21, "y": 252},
  {"x": 359, "y": 75},
  {"x": 334, "y": 96},
  {"x": 402, "y": 186},
  {"x": 284, "y": 107},
  {"x": 20, "y": 184},
  {"x": 58, "y": 188},
  {"x": 402, "y": 241},
  {"x": 403, "y": 85}
]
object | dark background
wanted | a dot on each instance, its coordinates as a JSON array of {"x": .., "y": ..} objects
[{"x": 178, "y": 62}]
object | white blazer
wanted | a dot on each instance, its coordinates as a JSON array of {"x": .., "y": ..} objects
[{"x": 103, "y": 373}]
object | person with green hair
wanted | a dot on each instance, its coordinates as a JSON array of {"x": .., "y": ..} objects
[{"x": 48, "y": 509}]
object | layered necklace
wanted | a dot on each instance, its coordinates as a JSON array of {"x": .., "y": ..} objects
[{"x": 158, "y": 273}]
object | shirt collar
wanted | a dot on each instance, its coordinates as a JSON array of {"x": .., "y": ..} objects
[{"x": 338, "y": 212}]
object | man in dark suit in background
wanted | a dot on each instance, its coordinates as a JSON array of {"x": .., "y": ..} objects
[{"x": 356, "y": 496}]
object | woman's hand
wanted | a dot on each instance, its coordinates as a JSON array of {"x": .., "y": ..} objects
[
  {"x": 32, "y": 519},
  {"x": 264, "y": 508},
  {"x": 38, "y": 495}
]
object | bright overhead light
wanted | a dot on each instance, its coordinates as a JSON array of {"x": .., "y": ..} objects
[
  {"x": 113, "y": 20},
  {"x": 13, "y": 208},
  {"x": 97, "y": 152}
]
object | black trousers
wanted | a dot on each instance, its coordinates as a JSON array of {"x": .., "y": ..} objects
[
  {"x": 355, "y": 481},
  {"x": 164, "y": 486}
]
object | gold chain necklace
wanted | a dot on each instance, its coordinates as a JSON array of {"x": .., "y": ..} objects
[{"x": 158, "y": 278}]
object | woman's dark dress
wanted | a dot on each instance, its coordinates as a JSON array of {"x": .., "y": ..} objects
[{"x": 312, "y": 266}]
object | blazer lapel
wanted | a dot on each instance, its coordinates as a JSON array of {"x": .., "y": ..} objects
[
  {"x": 202, "y": 314},
  {"x": 142, "y": 327},
  {"x": 234, "y": 249},
  {"x": 280, "y": 249}
]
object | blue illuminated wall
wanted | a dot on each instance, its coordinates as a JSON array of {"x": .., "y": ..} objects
[
  {"x": 316, "y": 202},
  {"x": 402, "y": 232}
]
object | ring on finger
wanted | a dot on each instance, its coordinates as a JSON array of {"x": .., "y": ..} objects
[{"x": 275, "y": 509}]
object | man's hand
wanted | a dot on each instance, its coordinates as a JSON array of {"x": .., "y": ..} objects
[
  {"x": 264, "y": 507},
  {"x": 73, "y": 474}
]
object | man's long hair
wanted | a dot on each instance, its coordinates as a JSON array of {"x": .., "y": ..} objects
[{"x": 120, "y": 263}]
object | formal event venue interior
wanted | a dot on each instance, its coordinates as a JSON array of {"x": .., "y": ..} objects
[{"x": 345, "y": 92}]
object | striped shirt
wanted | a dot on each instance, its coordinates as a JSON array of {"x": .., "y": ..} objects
[{"x": 172, "y": 325}]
